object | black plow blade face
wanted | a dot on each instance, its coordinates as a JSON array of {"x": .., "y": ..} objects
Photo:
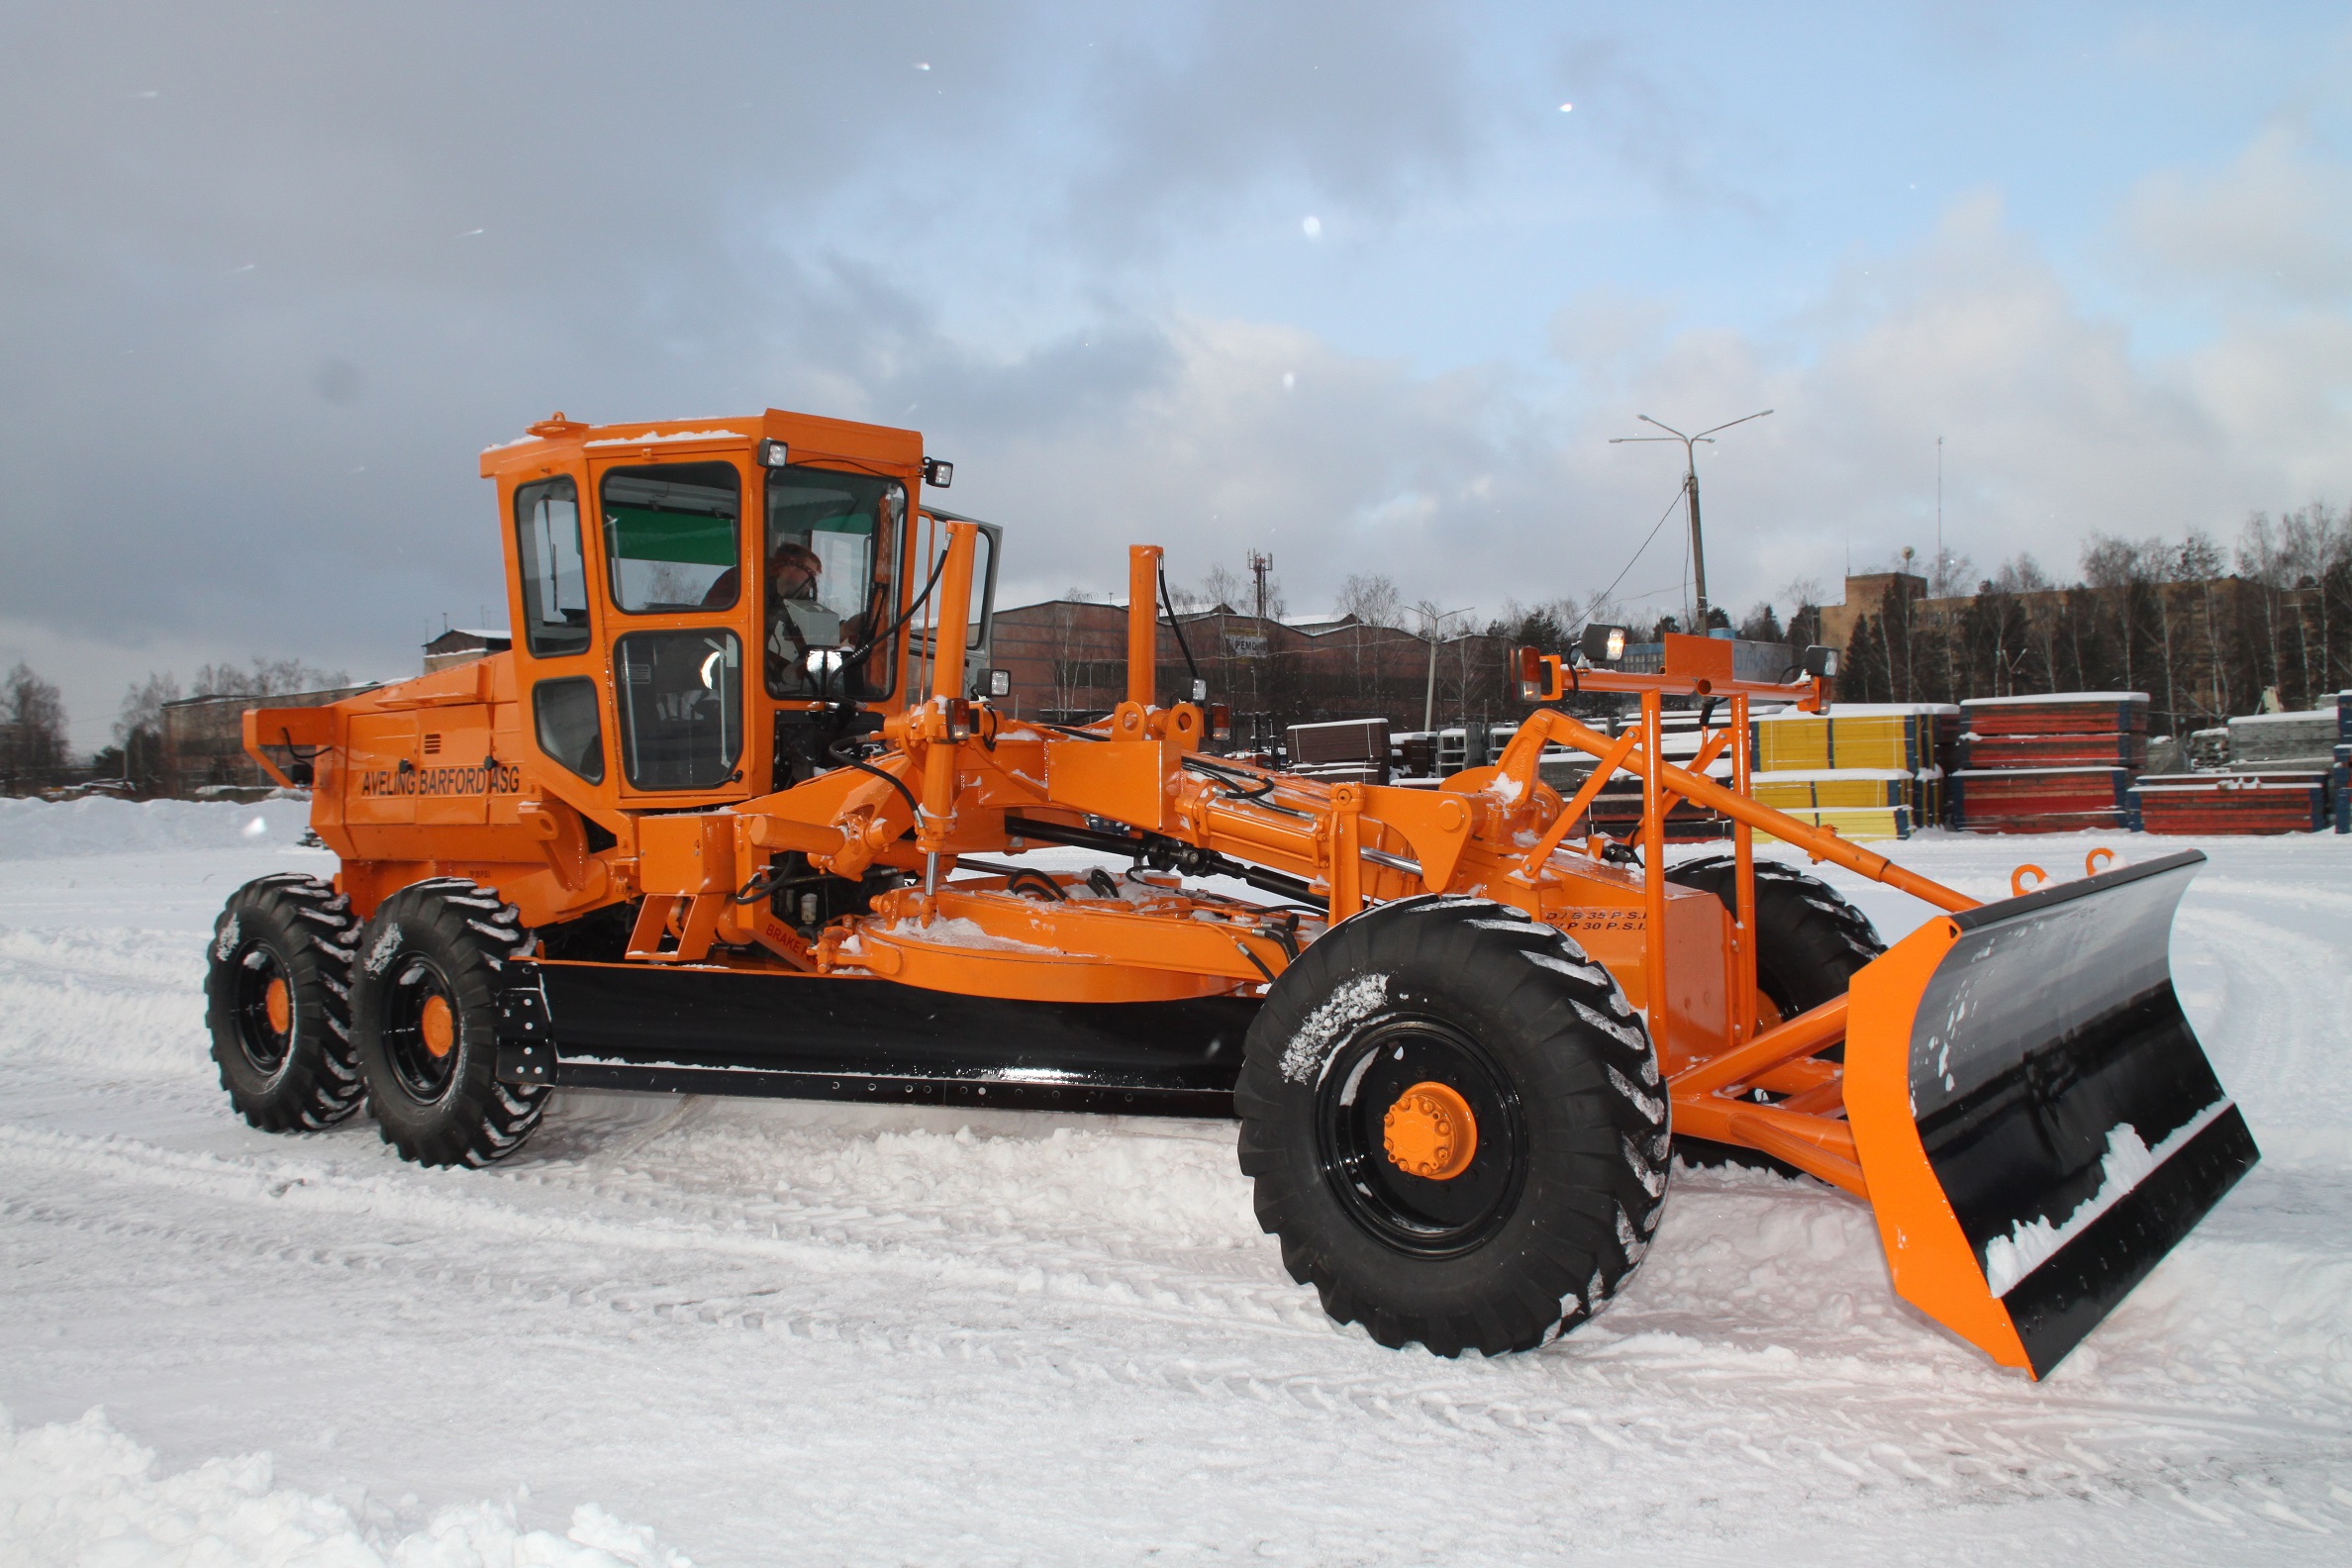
[
  {"x": 592, "y": 1025},
  {"x": 2063, "y": 1103}
]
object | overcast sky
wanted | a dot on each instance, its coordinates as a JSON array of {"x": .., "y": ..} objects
[{"x": 1353, "y": 284}]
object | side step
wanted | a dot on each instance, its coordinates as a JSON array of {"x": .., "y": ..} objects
[{"x": 677, "y": 1030}]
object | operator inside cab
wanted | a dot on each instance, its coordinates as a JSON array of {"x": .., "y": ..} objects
[
  {"x": 799, "y": 618},
  {"x": 832, "y": 540}
]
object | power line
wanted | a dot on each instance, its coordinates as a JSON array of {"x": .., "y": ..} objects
[{"x": 1645, "y": 543}]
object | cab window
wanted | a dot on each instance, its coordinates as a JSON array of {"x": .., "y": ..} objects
[
  {"x": 679, "y": 700},
  {"x": 565, "y": 715},
  {"x": 554, "y": 577},
  {"x": 671, "y": 537},
  {"x": 831, "y": 546}
]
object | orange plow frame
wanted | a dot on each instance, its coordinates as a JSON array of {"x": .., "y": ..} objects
[{"x": 1856, "y": 1124}]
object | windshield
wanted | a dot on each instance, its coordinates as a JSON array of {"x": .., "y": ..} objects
[{"x": 833, "y": 543}]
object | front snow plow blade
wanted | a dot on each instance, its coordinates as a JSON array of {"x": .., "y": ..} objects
[{"x": 2036, "y": 1119}]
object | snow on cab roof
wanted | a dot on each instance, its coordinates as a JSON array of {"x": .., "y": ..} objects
[{"x": 660, "y": 435}]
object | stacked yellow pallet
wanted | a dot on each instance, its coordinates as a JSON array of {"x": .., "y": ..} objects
[
  {"x": 1871, "y": 741},
  {"x": 1860, "y": 802}
]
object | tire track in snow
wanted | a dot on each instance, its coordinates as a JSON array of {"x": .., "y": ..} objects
[{"x": 1612, "y": 1391}]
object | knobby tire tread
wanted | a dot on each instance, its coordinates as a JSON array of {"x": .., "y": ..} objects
[
  {"x": 477, "y": 1120},
  {"x": 310, "y": 930},
  {"x": 1596, "y": 1112}
]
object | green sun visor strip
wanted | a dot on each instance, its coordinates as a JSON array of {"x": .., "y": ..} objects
[{"x": 651, "y": 534}]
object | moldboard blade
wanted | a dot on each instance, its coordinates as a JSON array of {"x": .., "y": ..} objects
[
  {"x": 2070, "y": 1128},
  {"x": 685, "y": 1030}
]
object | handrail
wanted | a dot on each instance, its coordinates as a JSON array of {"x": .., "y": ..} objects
[{"x": 1818, "y": 843}]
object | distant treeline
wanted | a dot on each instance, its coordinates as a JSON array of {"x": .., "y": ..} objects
[{"x": 2168, "y": 618}]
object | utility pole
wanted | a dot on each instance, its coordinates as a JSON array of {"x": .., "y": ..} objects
[
  {"x": 1690, "y": 492},
  {"x": 1259, "y": 565},
  {"x": 1433, "y": 622},
  {"x": 1936, "y": 587}
]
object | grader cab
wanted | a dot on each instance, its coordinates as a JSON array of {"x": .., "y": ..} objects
[{"x": 737, "y": 814}]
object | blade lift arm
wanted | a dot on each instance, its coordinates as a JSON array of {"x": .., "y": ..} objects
[{"x": 958, "y": 785}]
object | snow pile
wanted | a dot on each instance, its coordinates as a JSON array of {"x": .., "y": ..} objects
[
  {"x": 81, "y": 1492},
  {"x": 957, "y": 931},
  {"x": 2127, "y": 1162},
  {"x": 35, "y": 829}
]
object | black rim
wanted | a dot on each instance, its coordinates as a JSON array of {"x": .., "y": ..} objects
[
  {"x": 423, "y": 1076},
  {"x": 264, "y": 1047},
  {"x": 1408, "y": 1213}
]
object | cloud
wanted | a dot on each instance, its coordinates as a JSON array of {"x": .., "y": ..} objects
[
  {"x": 1660, "y": 131},
  {"x": 255, "y": 340},
  {"x": 2275, "y": 223},
  {"x": 1194, "y": 108},
  {"x": 1489, "y": 482}
]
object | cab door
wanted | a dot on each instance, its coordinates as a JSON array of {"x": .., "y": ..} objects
[
  {"x": 671, "y": 539},
  {"x": 560, "y": 672}
]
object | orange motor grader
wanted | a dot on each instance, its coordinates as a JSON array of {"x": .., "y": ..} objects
[{"x": 737, "y": 815}]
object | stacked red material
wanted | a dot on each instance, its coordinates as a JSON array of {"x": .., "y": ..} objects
[
  {"x": 2232, "y": 803},
  {"x": 2103, "y": 748},
  {"x": 2059, "y": 763},
  {"x": 2040, "y": 799},
  {"x": 2058, "y": 713}
]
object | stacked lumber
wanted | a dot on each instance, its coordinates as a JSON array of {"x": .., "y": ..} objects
[
  {"x": 1913, "y": 740},
  {"x": 2232, "y": 803},
  {"x": 2286, "y": 772},
  {"x": 1343, "y": 752},
  {"x": 2053, "y": 763},
  {"x": 2040, "y": 799},
  {"x": 2117, "y": 749},
  {"x": 1859, "y": 802},
  {"x": 2298, "y": 741}
]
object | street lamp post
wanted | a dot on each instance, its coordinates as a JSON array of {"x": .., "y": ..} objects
[
  {"x": 1434, "y": 620},
  {"x": 1691, "y": 491}
]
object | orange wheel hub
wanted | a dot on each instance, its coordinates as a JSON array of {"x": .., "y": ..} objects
[
  {"x": 277, "y": 1003},
  {"x": 1429, "y": 1132},
  {"x": 439, "y": 1025}
]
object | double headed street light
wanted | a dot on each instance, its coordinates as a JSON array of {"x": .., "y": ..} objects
[{"x": 1691, "y": 490}]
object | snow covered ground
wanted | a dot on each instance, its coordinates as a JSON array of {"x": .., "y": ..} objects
[{"x": 795, "y": 1334}]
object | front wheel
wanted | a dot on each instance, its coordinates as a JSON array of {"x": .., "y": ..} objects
[
  {"x": 1455, "y": 1126},
  {"x": 424, "y": 1018}
]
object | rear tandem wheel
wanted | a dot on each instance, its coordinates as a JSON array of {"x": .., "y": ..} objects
[
  {"x": 425, "y": 1019},
  {"x": 277, "y": 1001},
  {"x": 1455, "y": 1126}
]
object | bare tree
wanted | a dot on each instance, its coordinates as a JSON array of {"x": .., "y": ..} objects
[
  {"x": 267, "y": 677},
  {"x": 1372, "y": 599},
  {"x": 1949, "y": 575},
  {"x": 138, "y": 728},
  {"x": 31, "y": 729},
  {"x": 142, "y": 705},
  {"x": 1227, "y": 587}
]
